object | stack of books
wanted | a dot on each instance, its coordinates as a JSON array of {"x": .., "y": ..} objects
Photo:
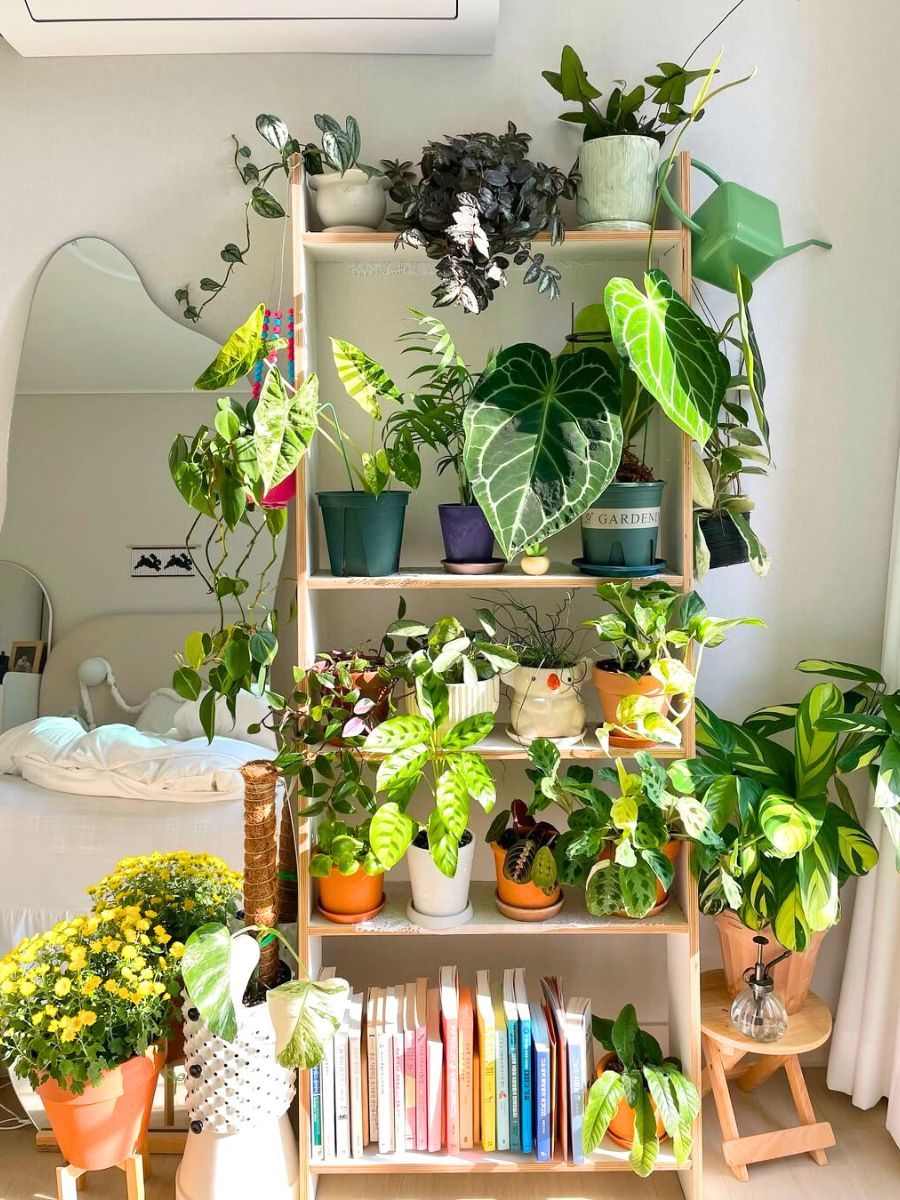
[{"x": 450, "y": 1068}]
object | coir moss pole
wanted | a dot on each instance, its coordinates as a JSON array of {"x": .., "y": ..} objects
[{"x": 260, "y": 859}]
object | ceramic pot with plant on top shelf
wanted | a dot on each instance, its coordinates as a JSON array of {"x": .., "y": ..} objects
[{"x": 352, "y": 202}]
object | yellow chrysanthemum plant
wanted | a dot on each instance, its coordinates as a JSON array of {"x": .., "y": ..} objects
[
  {"x": 183, "y": 890},
  {"x": 87, "y": 995}
]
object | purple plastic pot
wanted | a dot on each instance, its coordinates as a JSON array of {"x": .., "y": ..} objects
[{"x": 467, "y": 536}]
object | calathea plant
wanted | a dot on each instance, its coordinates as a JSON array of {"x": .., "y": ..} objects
[
  {"x": 479, "y": 203},
  {"x": 788, "y": 848},
  {"x": 637, "y": 1075},
  {"x": 223, "y": 474},
  {"x": 416, "y": 750}
]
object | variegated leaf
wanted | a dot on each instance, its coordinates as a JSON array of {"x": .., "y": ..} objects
[
  {"x": 283, "y": 426},
  {"x": 818, "y": 880},
  {"x": 603, "y": 1101},
  {"x": 790, "y": 825},
  {"x": 364, "y": 380},
  {"x": 306, "y": 1014},
  {"x": 476, "y": 777},
  {"x": 814, "y": 747},
  {"x": 391, "y": 833}
]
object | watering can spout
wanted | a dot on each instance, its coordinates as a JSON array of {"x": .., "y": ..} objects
[{"x": 789, "y": 250}]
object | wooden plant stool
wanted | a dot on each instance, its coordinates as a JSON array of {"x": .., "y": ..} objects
[
  {"x": 70, "y": 1180},
  {"x": 725, "y": 1049}
]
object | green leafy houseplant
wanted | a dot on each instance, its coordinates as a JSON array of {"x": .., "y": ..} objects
[
  {"x": 651, "y": 1086},
  {"x": 527, "y": 847},
  {"x": 345, "y": 847},
  {"x": 788, "y": 848},
  {"x": 479, "y": 203},
  {"x": 536, "y": 638},
  {"x": 447, "y": 650},
  {"x": 646, "y": 624},
  {"x": 223, "y": 474},
  {"x": 417, "y": 751}
]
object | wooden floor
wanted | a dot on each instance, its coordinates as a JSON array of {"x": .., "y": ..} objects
[{"x": 864, "y": 1165}]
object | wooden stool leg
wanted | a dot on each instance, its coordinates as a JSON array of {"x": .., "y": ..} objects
[
  {"x": 802, "y": 1102},
  {"x": 68, "y": 1181},
  {"x": 81, "y": 1181},
  {"x": 724, "y": 1109},
  {"x": 134, "y": 1177},
  {"x": 144, "y": 1151},
  {"x": 760, "y": 1071}
]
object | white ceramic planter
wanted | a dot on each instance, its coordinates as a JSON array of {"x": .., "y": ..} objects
[
  {"x": 545, "y": 703},
  {"x": 464, "y": 700},
  {"x": 618, "y": 182},
  {"x": 350, "y": 202},
  {"x": 439, "y": 902}
]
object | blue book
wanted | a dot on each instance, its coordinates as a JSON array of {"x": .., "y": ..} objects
[
  {"x": 543, "y": 1084},
  {"x": 315, "y": 1110},
  {"x": 526, "y": 1119},
  {"x": 511, "y": 1012}
]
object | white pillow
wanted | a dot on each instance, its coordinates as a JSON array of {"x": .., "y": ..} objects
[
  {"x": 158, "y": 714},
  {"x": 250, "y": 711}
]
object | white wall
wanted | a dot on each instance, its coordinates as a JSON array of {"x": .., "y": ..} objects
[{"x": 137, "y": 150}]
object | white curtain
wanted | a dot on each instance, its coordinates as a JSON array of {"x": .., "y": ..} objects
[{"x": 865, "y": 1049}]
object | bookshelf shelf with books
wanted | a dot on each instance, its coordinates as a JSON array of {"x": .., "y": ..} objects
[{"x": 487, "y": 921}]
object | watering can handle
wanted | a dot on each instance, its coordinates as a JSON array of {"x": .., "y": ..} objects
[{"x": 667, "y": 195}]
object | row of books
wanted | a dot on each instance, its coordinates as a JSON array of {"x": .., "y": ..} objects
[{"x": 448, "y": 1068}]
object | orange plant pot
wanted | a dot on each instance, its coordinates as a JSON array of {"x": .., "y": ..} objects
[
  {"x": 792, "y": 977},
  {"x": 106, "y": 1123},
  {"x": 613, "y": 686},
  {"x": 621, "y": 1127},
  {"x": 519, "y": 895},
  {"x": 347, "y": 896}
]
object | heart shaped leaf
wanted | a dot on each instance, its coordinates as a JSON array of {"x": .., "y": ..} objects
[{"x": 283, "y": 426}]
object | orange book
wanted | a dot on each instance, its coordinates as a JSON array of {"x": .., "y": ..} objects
[
  {"x": 476, "y": 1094},
  {"x": 466, "y": 1025}
]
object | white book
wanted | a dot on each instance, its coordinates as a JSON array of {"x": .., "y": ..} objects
[
  {"x": 342, "y": 1091},
  {"x": 579, "y": 1039},
  {"x": 394, "y": 1025},
  {"x": 384, "y": 1060},
  {"x": 502, "y": 1067},
  {"x": 434, "y": 1070},
  {"x": 356, "y": 1083},
  {"x": 328, "y": 1126},
  {"x": 372, "y": 1060}
]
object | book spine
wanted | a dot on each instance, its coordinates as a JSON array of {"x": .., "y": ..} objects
[
  {"x": 502, "y": 1069},
  {"x": 328, "y": 1143},
  {"x": 543, "y": 1106},
  {"x": 409, "y": 1078},
  {"x": 399, "y": 1094},
  {"x": 372, "y": 1081},
  {"x": 466, "y": 1092},
  {"x": 315, "y": 1112},
  {"x": 527, "y": 1121},
  {"x": 357, "y": 1099},
  {"x": 435, "y": 1075},
  {"x": 384, "y": 1059},
  {"x": 515, "y": 1094},
  {"x": 489, "y": 1090},
  {"x": 451, "y": 1072},
  {"x": 576, "y": 1096},
  {"x": 421, "y": 1086},
  {"x": 342, "y": 1096}
]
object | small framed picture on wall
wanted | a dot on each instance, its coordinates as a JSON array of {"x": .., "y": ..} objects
[{"x": 27, "y": 657}]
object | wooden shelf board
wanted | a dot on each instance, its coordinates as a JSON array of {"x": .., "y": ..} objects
[
  {"x": 500, "y": 747},
  {"x": 378, "y": 246},
  {"x": 486, "y": 920},
  {"x": 609, "y": 1157},
  {"x": 559, "y": 576}
]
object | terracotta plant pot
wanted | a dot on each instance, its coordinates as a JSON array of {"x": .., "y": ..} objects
[
  {"x": 519, "y": 895},
  {"x": 613, "y": 686},
  {"x": 621, "y": 1127},
  {"x": 106, "y": 1123},
  {"x": 792, "y": 977},
  {"x": 350, "y": 898}
]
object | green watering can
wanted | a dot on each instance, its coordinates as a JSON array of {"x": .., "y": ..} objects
[{"x": 733, "y": 228}]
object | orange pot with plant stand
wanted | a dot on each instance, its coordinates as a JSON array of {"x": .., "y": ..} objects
[
  {"x": 621, "y": 1127},
  {"x": 107, "y": 1122},
  {"x": 613, "y": 686},
  {"x": 534, "y": 903},
  {"x": 350, "y": 899}
]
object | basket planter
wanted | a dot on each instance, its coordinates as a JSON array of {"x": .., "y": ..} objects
[
  {"x": 439, "y": 901},
  {"x": 241, "y": 1142},
  {"x": 621, "y": 528},
  {"x": 621, "y": 1127},
  {"x": 793, "y": 977},
  {"x": 464, "y": 700},
  {"x": 107, "y": 1122},
  {"x": 545, "y": 702},
  {"x": 726, "y": 546},
  {"x": 467, "y": 536},
  {"x": 349, "y": 899},
  {"x": 363, "y": 532},
  {"x": 351, "y": 201},
  {"x": 618, "y": 182},
  {"x": 521, "y": 895},
  {"x": 612, "y": 686}
]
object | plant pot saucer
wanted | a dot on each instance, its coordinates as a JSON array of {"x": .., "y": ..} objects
[
  {"x": 424, "y": 921},
  {"x": 515, "y": 913},
  {"x": 350, "y": 918},
  {"x": 493, "y": 566},
  {"x": 609, "y": 571},
  {"x": 622, "y": 741},
  {"x": 564, "y": 743},
  {"x": 622, "y": 226},
  {"x": 348, "y": 229}
]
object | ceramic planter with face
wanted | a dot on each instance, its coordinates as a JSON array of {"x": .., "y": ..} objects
[
  {"x": 351, "y": 202},
  {"x": 618, "y": 182},
  {"x": 439, "y": 902},
  {"x": 545, "y": 703}
]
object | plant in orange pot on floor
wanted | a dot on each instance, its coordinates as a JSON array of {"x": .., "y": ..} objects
[
  {"x": 84, "y": 1012},
  {"x": 638, "y": 1096}
]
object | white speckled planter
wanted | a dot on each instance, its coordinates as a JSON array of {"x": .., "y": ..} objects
[
  {"x": 351, "y": 201},
  {"x": 464, "y": 699},
  {"x": 618, "y": 182}
]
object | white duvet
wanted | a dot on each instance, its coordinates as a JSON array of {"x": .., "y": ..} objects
[{"x": 118, "y": 760}]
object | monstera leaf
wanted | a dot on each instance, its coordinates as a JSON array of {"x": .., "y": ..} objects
[
  {"x": 543, "y": 439},
  {"x": 283, "y": 426},
  {"x": 674, "y": 355}
]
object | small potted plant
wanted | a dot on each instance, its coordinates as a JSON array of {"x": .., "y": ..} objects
[
  {"x": 84, "y": 1013},
  {"x": 545, "y": 700},
  {"x": 184, "y": 890},
  {"x": 534, "y": 560},
  {"x": 351, "y": 879},
  {"x": 480, "y": 201},
  {"x": 527, "y": 880},
  {"x": 645, "y": 690},
  {"x": 440, "y": 851},
  {"x": 357, "y": 683},
  {"x": 638, "y": 1096},
  {"x": 468, "y": 663},
  {"x": 349, "y": 195}
]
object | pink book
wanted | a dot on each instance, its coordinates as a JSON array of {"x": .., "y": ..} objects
[
  {"x": 435, "y": 1071},
  {"x": 449, "y": 986},
  {"x": 466, "y": 1090},
  {"x": 409, "y": 1063},
  {"x": 420, "y": 1010},
  {"x": 397, "y": 1040}
]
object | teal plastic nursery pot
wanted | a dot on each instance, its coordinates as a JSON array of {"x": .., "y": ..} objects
[
  {"x": 621, "y": 527},
  {"x": 363, "y": 532}
]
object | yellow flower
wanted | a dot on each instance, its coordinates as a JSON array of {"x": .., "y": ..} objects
[
  {"x": 37, "y": 1018},
  {"x": 7, "y": 988},
  {"x": 188, "y": 905},
  {"x": 91, "y": 985},
  {"x": 62, "y": 987},
  {"x": 176, "y": 950},
  {"x": 161, "y": 936},
  {"x": 128, "y": 953},
  {"x": 27, "y": 987},
  {"x": 110, "y": 985},
  {"x": 86, "y": 1018},
  {"x": 123, "y": 993},
  {"x": 51, "y": 1010}
]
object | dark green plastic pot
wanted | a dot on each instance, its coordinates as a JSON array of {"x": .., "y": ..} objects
[
  {"x": 363, "y": 532},
  {"x": 621, "y": 528}
]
